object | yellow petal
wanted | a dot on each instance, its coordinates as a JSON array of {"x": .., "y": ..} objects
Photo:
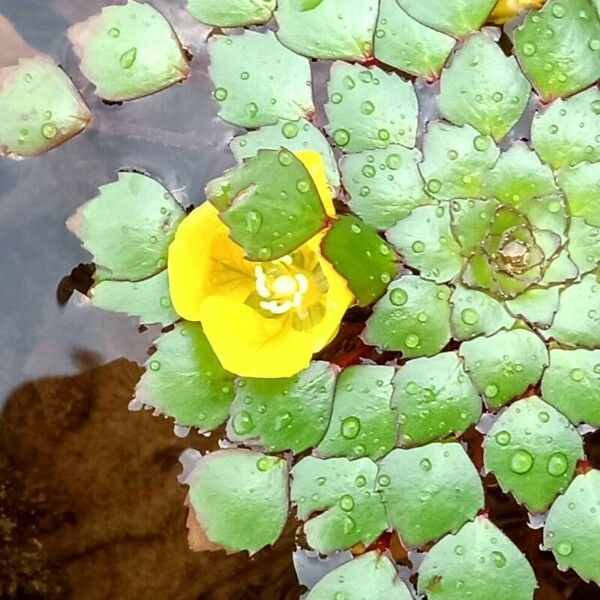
[
  {"x": 505, "y": 10},
  {"x": 313, "y": 161}
]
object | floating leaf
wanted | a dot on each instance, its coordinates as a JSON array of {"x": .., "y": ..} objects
[
  {"x": 128, "y": 227},
  {"x": 185, "y": 380},
  {"x": 128, "y": 51},
  {"x": 477, "y": 562},
  {"x": 504, "y": 364},
  {"x": 483, "y": 88},
  {"x": 471, "y": 220},
  {"x": 455, "y": 17},
  {"x": 584, "y": 245},
  {"x": 270, "y": 204},
  {"x": 429, "y": 491},
  {"x": 372, "y": 575},
  {"x": 362, "y": 422},
  {"x": 369, "y": 108},
  {"x": 413, "y": 318},
  {"x": 292, "y": 135},
  {"x": 40, "y": 107},
  {"x": 455, "y": 160},
  {"x": 273, "y": 83},
  {"x": 580, "y": 184},
  {"x": 327, "y": 29},
  {"x": 571, "y": 384},
  {"x": 532, "y": 450},
  {"x": 425, "y": 241},
  {"x": 361, "y": 256},
  {"x": 281, "y": 414},
  {"x": 434, "y": 398},
  {"x": 343, "y": 493},
  {"x": 475, "y": 313},
  {"x": 404, "y": 43},
  {"x": 577, "y": 320},
  {"x": 536, "y": 305},
  {"x": 568, "y": 131},
  {"x": 384, "y": 185},
  {"x": 231, "y": 13},
  {"x": 559, "y": 47},
  {"x": 572, "y": 529},
  {"x": 147, "y": 299},
  {"x": 519, "y": 175},
  {"x": 240, "y": 498}
]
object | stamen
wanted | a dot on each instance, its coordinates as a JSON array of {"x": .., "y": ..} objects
[{"x": 261, "y": 282}]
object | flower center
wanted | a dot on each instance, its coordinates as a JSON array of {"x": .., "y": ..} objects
[{"x": 515, "y": 254}]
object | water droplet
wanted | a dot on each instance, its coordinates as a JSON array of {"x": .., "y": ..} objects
[
  {"x": 481, "y": 143},
  {"x": 264, "y": 463},
  {"x": 243, "y": 423},
  {"x": 341, "y": 137},
  {"x": 264, "y": 253},
  {"x": 564, "y": 548},
  {"x": 244, "y": 75},
  {"x": 385, "y": 278},
  {"x": 350, "y": 427},
  {"x": 253, "y": 221},
  {"x": 469, "y": 316},
  {"x": 384, "y": 249},
  {"x": 521, "y": 462},
  {"x": 411, "y": 340},
  {"x": 128, "y": 58},
  {"x": 360, "y": 481},
  {"x": 459, "y": 550},
  {"x": 384, "y": 480},
  {"x": 155, "y": 365},
  {"x": 491, "y": 390},
  {"x": 422, "y": 317},
  {"x": 220, "y": 94},
  {"x": 594, "y": 44},
  {"x": 543, "y": 416},
  {"x": 251, "y": 109},
  {"x": 348, "y": 82},
  {"x": 577, "y": 375},
  {"x": 347, "y": 502},
  {"x": 336, "y": 98},
  {"x": 553, "y": 129},
  {"x": 114, "y": 32},
  {"x": 452, "y": 154},
  {"x": 529, "y": 48},
  {"x": 303, "y": 186},
  {"x": 398, "y": 297},
  {"x": 49, "y": 130},
  {"x": 558, "y": 11},
  {"x": 418, "y": 246},
  {"x": 498, "y": 559},
  {"x": 425, "y": 464},
  {"x": 369, "y": 171},
  {"x": 383, "y": 135},
  {"x": 595, "y": 106},
  {"x": 434, "y": 185},
  {"x": 558, "y": 464},
  {"x": 503, "y": 438},
  {"x": 497, "y": 96},
  {"x": 289, "y": 130},
  {"x": 165, "y": 302},
  {"x": 367, "y": 107},
  {"x": 285, "y": 158}
]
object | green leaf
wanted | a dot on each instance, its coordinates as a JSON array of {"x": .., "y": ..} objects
[
  {"x": 483, "y": 88},
  {"x": 519, "y": 175},
  {"x": 328, "y": 29},
  {"x": 372, "y": 575},
  {"x": 532, "y": 450},
  {"x": 580, "y": 184},
  {"x": 231, "y": 13},
  {"x": 343, "y": 493},
  {"x": 40, "y": 107},
  {"x": 478, "y": 562},
  {"x": 425, "y": 241},
  {"x": 475, "y": 313},
  {"x": 128, "y": 227},
  {"x": 128, "y": 51},
  {"x": 240, "y": 498},
  {"x": 271, "y": 83},
  {"x": 434, "y": 398},
  {"x": 384, "y": 185},
  {"x": 292, "y": 135},
  {"x": 572, "y": 384},
  {"x": 429, "y": 491},
  {"x": 280, "y": 414},
  {"x": 584, "y": 245},
  {"x": 559, "y": 47},
  {"x": 504, "y": 364},
  {"x": 568, "y": 131},
  {"x": 455, "y": 17},
  {"x": 185, "y": 380},
  {"x": 357, "y": 253},
  {"x": 536, "y": 305},
  {"x": 362, "y": 422},
  {"x": 270, "y": 204},
  {"x": 369, "y": 108},
  {"x": 572, "y": 528},
  {"x": 404, "y": 43},
  {"x": 546, "y": 212},
  {"x": 147, "y": 299},
  {"x": 471, "y": 220},
  {"x": 455, "y": 160},
  {"x": 576, "y": 322},
  {"x": 412, "y": 318}
]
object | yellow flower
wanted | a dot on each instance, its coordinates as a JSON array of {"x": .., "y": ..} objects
[
  {"x": 505, "y": 10},
  {"x": 262, "y": 319}
]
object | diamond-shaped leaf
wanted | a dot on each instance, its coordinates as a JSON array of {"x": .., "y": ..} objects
[
  {"x": 270, "y": 204},
  {"x": 369, "y": 108},
  {"x": 559, "y": 47},
  {"x": 483, "y": 88},
  {"x": 532, "y": 450},
  {"x": 128, "y": 51},
  {"x": 231, "y": 13},
  {"x": 185, "y": 380},
  {"x": 571, "y": 384},
  {"x": 434, "y": 398},
  {"x": 363, "y": 422},
  {"x": 503, "y": 365},
  {"x": 471, "y": 219},
  {"x": 343, "y": 493},
  {"x": 240, "y": 498},
  {"x": 364, "y": 259},
  {"x": 40, "y": 107},
  {"x": 413, "y": 318},
  {"x": 477, "y": 562},
  {"x": 536, "y": 305},
  {"x": 429, "y": 491},
  {"x": 404, "y": 43},
  {"x": 584, "y": 245},
  {"x": 272, "y": 83},
  {"x": 580, "y": 184},
  {"x": 128, "y": 227},
  {"x": 281, "y": 414},
  {"x": 327, "y": 29}
]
